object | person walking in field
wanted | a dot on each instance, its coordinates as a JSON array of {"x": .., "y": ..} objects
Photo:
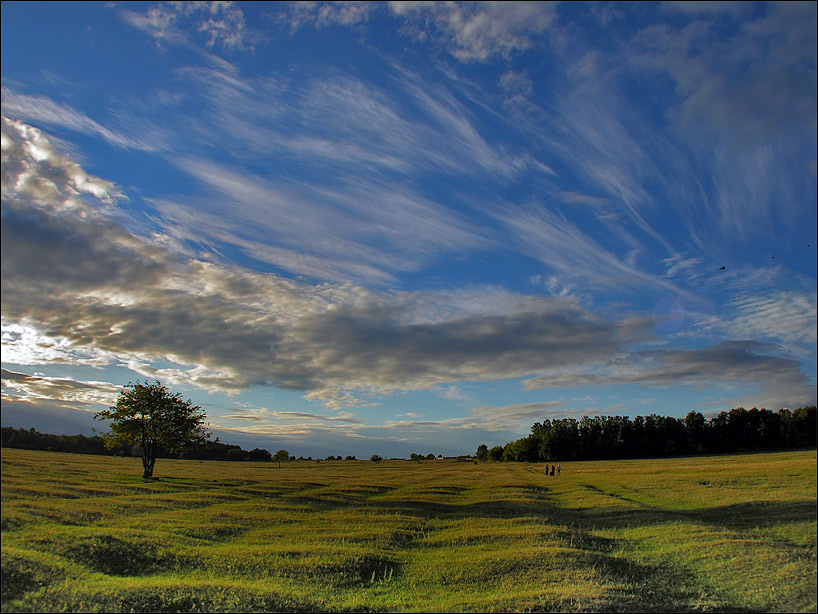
[
  {"x": 559, "y": 468},
  {"x": 552, "y": 469},
  {"x": 546, "y": 470}
]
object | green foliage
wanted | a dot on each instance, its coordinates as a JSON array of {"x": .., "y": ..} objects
[
  {"x": 617, "y": 437},
  {"x": 482, "y": 452},
  {"x": 259, "y": 455},
  {"x": 281, "y": 455},
  {"x": 30, "y": 439},
  {"x": 496, "y": 453},
  {"x": 375, "y": 458},
  {"x": 235, "y": 454},
  {"x": 150, "y": 416}
]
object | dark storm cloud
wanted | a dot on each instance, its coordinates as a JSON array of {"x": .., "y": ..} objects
[{"x": 373, "y": 346}]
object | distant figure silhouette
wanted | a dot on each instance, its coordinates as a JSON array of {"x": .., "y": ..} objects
[{"x": 721, "y": 269}]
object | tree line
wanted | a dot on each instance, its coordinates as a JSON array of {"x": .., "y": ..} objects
[
  {"x": 617, "y": 437},
  {"x": 565, "y": 439},
  {"x": 32, "y": 439}
]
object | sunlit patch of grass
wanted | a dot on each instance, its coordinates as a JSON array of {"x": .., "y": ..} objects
[{"x": 718, "y": 533}]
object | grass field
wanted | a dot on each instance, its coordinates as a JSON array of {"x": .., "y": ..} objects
[{"x": 85, "y": 533}]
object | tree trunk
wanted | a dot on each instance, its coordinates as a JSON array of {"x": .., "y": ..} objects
[
  {"x": 147, "y": 464},
  {"x": 148, "y": 461}
]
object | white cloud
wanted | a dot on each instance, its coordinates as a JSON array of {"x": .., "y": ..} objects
[
  {"x": 220, "y": 24},
  {"x": 479, "y": 31},
  {"x": 789, "y": 316},
  {"x": 572, "y": 254},
  {"x": 38, "y": 109},
  {"x": 33, "y": 169},
  {"x": 753, "y": 84},
  {"x": 63, "y": 392},
  {"x": 324, "y": 14},
  {"x": 338, "y": 398},
  {"x": 746, "y": 105}
]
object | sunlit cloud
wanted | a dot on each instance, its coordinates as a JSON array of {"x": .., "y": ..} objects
[{"x": 62, "y": 392}]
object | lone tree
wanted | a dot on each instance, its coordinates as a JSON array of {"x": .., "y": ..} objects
[
  {"x": 281, "y": 455},
  {"x": 157, "y": 420}
]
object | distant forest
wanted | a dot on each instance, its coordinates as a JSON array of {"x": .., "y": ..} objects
[
  {"x": 618, "y": 437},
  {"x": 80, "y": 444},
  {"x": 567, "y": 439}
]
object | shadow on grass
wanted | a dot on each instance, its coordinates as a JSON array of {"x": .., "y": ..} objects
[
  {"x": 634, "y": 585},
  {"x": 176, "y": 599},
  {"x": 537, "y": 502}
]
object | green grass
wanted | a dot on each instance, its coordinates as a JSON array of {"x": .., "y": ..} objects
[{"x": 85, "y": 533}]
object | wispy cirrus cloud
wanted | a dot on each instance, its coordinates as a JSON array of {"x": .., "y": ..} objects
[
  {"x": 353, "y": 232},
  {"x": 343, "y": 199},
  {"x": 348, "y": 121},
  {"x": 573, "y": 255},
  {"x": 42, "y": 110}
]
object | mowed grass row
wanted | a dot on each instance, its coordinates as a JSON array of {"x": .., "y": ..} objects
[{"x": 85, "y": 533}]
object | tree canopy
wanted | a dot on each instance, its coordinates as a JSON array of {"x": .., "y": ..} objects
[
  {"x": 281, "y": 455},
  {"x": 614, "y": 437},
  {"x": 150, "y": 416}
]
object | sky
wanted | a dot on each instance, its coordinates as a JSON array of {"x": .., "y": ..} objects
[{"x": 407, "y": 227}]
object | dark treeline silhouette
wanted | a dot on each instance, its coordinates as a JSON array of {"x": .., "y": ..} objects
[
  {"x": 80, "y": 444},
  {"x": 615, "y": 437},
  {"x": 33, "y": 440},
  {"x": 565, "y": 439}
]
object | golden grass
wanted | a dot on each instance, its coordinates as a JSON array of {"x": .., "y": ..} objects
[{"x": 85, "y": 533}]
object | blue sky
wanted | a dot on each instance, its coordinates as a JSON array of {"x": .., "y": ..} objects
[{"x": 359, "y": 228}]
